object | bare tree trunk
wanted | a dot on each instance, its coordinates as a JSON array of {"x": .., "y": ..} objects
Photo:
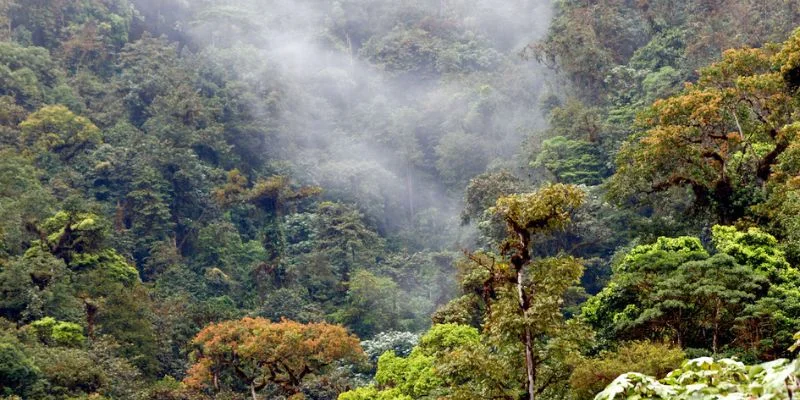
[
  {"x": 529, "y": 367},
  {"x": 529, "y": 362},
  {"x": 253, "y": 391}
]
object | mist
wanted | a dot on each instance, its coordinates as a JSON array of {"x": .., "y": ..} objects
[{"x": 399, "y": 139}]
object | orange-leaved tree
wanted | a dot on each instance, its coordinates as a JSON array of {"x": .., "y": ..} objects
[
  {"x": 723, "y": 136},
  {"x": 252, "y": 353}
]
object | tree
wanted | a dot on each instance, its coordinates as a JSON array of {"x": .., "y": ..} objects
[
  {"x": 56, "y": 129},
  {"x": 455, "y": 169},
  {"x": 756, "y": 249},
  {"x": 430, "y": 49},
  {"x": 100, "y": 279},
  {"x": 17, "y": 371},
  {"x": 373, "y": 304},
  {"x": 71, "y": 372},
  {"x": 400, "y": 343},
  {"x": 329, "y": 247},
  {"x": 572, "y": 161},
  {"x": 23, "y": 201},
  {"x": 517, "y": 296},
  {"x": 28, "y": 74},
  {"x": 253, "y": 353},
  {"x": 484, "y": 190},
  {"x": 145, "y": 211},
  {"x": 430, "y": 370},
  {"x": 481, "y": 194},
  {"x": 61, "y": 333},
  {"x": 719, "y": 289},
  {"x": 348, "y": 241},
  {"x": 674, "y": 288},
  {"x": 721, "y": 137},
  {"x": 544, "y": 211}
]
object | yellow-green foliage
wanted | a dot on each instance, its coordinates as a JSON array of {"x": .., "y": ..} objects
[
  {"x": 372, "y": 393},
  {"x": 109, "y": 264},
  {"x": 591, "y": 375},
  {"x": 57, "y": 129},
  {"x": 416, "y": 376},
  {"x": 61, "y": 333},
  {"x": 548, "y": 208},
  {"x": 756, "y": 249}
]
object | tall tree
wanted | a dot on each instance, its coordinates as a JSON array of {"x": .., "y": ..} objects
[
  {"x": 722, "y": 136},
  {"x": 517, "y": 296},
  {"x": 541, "y": 212}
]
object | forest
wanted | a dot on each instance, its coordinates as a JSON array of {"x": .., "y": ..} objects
[{"x": 399, "y": 199}]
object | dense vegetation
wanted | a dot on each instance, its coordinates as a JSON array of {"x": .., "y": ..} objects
[{"x": 375, "y": 199}]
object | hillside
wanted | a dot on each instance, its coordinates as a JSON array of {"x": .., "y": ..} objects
[{"x": 376, "y": 199}]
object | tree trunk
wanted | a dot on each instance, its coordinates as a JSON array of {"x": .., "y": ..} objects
[
  {"x": 523, "y": 304},
  {"x": 529, "y": 367},
  {"x": 253, "y": 391}
]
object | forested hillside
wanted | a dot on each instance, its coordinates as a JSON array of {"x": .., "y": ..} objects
[{"x": 381, "y": 199}]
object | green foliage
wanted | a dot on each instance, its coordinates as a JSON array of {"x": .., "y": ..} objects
[
  {"x": 399, "y": 343},
  {"x": 162, "y": 166},
  {"x": 17, "y": 370},
  {"x": 587, "y": 40},
  {"x": 39, "y": 285},
  {"x": 484, "y": 190},
  {"x": 431, "y": 49},
  {"x": 592, "y": 375},
  {"x": 23, "y": 199},
  {"x": 69, "y": 233},
  {"x": 56, "y": 129},
  {"x": 418, "y": 375},
  {"x": 71, "y": 372},
  {"x": 666, "y": 48},
  {"x": 371, "y": 393},
  {"x": 547, "y": 209},
  {"x": 413, "y": 376},
  {"x": 572, "y": 161},
  {"x": 108, "y": 264},
  {"x": 68, "y": 334},
  {"x": 675, "y": 288},
  {"x": 372, "y": 303},
  {"x": 755, "y": 249},
  {"x": 27, "y": 73},
  {"x": 453, "y": 166},
  {"x": 517, "y": 300},
  {"x": 442, "y": 338}
]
